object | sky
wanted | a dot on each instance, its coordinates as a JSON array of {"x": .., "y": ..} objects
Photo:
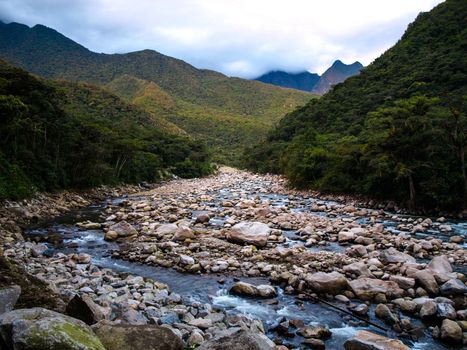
[{"x": 243, "y": 38}]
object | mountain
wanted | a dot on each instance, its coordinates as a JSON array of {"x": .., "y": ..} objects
[
  {"x": 239, "y": 110},
  {"x": 336, "y": 74},
  {"x": 395, "y": 131},
  {"x": 313, "y": 82},
  {"x": 304, "y": 81},
  {"x": 56, "y": 135}
]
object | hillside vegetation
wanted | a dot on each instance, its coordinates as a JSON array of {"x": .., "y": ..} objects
[
  {"x": 396, "y": 131},
  {"x": 228, "y": 113},
  {"x": 57, "y": 135}
]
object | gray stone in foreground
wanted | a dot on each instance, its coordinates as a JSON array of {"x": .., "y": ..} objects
[
  {"x": 365, "y": 340},
  {"x": 42, "y": 329},
  {"x": 238, "y": 339},
  {"x": 138, "y": 337}
]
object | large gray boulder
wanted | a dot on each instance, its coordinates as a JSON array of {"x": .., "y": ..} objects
[
  {"x": 138, "y": 337},
  {"x": 250, "y": 290},
  {"x": 393, "y": 256},
  {"x": 367, "y": 288},
  {"x": 255, "y": 233},
  {"x": 8, "y": 298},
  {"x": 121, "y": 230},
  {"x": 42, "y": 329},
  {"x": 365, "y": 340},
  {"x": 238, "y": 339},
  {"x": 322, "y": 282}
]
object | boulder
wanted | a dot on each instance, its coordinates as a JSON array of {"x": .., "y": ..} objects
[
  {"x": 426, "y": 279},
  {"x": 255, "y": 233},
  {"x": 322, "y": 282},
  {"x": 367, "y": 288},
  {"x": 451, "y": 332},
  {"x": 446, "y": 310},
  {"x": 122, "y": 229},
  {"x": 237, "y": 339},
  {"x": 345, "y": 236},
  {"x": 42, "y": 329},
  {"x": 38, "y": 250},
  {"x": 440, "y": 264},
  {"x": 403, "y": 282},
  {"x": 366, "y": 340},
  {"x": 428, "y": 310},
  {"x": 8, "y": 298},
  {"x": 358, "y": 268},
  {"x": 186, "y": 260},
  {"x": 318, "y": 332},
  {"x": 383, "y": 312},
  {"x": 183, "y": 233},
  {"x": 247, "y": 289},
  {"x": 202, "y": 218},
  {"x": 137, "y": 337},
  {"x": 393, "y": 256},
  {"x": 202, "y": 323},
  {"x": 85, "y": 309},
  {"x": 453, "y": 287},
  {"x": 165, "y": 229}
]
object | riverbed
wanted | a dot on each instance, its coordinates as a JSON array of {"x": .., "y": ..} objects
[{"x": 224, "y": 199}]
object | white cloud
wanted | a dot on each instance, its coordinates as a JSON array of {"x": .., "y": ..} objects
[{"x": 238, "y": 37}]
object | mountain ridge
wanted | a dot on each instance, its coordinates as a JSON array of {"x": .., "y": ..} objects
[{"x": 210, "y": 96}]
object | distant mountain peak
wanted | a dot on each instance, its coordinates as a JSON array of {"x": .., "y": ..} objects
[
  {"x": 336, "y": 74},
  {"x": 307, "y": 81}
]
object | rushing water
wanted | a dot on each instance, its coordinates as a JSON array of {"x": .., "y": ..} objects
[{"x": 206, "y": 288}]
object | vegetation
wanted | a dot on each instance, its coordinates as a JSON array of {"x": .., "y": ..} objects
[
  {"x": 228, "y": 113},
  {"x": 57, "y": 135},
  {"x": 395, "y": 131}
]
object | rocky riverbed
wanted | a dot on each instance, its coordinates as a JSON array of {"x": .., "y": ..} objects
[{"x": 235, "y": 252}]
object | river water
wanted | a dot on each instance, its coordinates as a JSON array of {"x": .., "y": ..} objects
[{"x": 214, "y": 288}]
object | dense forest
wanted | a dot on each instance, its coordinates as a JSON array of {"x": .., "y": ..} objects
[
  {"x": 395, "y": 131},
  {"x": 228, "y": 113},
  {"x": 57, "y": 135}
]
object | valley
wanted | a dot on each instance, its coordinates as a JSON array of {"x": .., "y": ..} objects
[{"x": 148, "y": 203}]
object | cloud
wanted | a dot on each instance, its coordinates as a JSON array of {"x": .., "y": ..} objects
[{"x": 241, "y": 38}]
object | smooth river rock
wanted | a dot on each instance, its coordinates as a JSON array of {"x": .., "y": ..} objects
[
  {"x": 322, "y": 282},
  {"x": 365, "y": 340},
  {"x": 255, "y": 233}
]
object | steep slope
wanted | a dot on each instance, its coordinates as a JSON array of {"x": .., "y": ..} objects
[
  {"x": 336, "y": 74},
  {"x": 202, "y": 96},
  {"x": 397, "y": 130},
  {"x": 304, "y": 81},
  {"x": 58, "y": 134}
]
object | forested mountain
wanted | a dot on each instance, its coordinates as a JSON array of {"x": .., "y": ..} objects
[
  {"x": 238, "y": 110},
  {"x": 304, "y": 81},
  {"x": 397, "y": 130},
  {"x": 58, "y": 134},
  {"x": 313, "y": 82},
  {"x": 336, "y": 74}
]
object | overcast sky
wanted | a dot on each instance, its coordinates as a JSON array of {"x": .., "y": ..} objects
[{"x": 237, "y": 37}]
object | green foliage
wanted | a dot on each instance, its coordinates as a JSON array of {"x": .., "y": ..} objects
[
  {"x": 226, "y": 113},
  {"x": 59, "y": 135},
  {"x": 396, "y": 131}
]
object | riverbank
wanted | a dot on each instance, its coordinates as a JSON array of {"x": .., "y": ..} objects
[{"x": 393, "y": 271}]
